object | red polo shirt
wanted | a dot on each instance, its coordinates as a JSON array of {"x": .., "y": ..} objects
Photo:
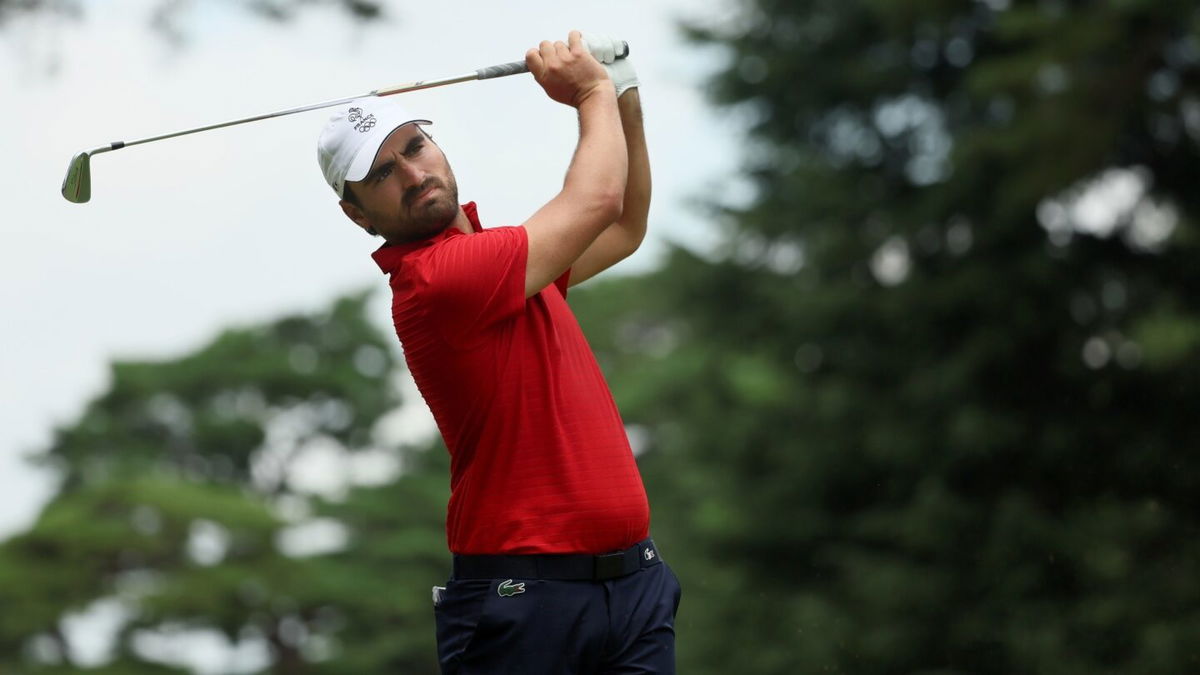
[{"x": 539, "y": 459}]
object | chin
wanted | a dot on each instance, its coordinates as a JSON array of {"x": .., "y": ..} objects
[
  {"x": 441, "y": 210},
  {"x": 423, "y": 228}
]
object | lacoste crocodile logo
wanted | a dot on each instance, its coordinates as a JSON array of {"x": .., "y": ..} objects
[{"x": 507, "y": 589}]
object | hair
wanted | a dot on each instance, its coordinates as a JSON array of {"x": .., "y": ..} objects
[{"x": 348, "y": 195}]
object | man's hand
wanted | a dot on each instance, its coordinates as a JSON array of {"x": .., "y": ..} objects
[
  {"x": 568, "y": 72},
  {"x": 620, "y": 71},
  {"x": 603, "y": 47}
]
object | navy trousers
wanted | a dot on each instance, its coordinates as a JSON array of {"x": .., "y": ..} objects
[{"x": 542, "y": 627}]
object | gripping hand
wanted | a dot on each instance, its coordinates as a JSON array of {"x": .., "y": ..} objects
[{"x": 605, "y": 49}]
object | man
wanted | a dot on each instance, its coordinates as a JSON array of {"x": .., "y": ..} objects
[{"x": 548, "y": 519}]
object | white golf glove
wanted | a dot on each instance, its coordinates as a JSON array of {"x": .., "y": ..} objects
[{"x": 605, "y": 49}]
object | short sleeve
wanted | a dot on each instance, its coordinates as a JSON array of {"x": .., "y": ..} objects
[
  {"x": 563, "y": 282},
  {"x": 471, "y": 282}
]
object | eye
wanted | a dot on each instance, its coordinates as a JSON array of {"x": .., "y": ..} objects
[
  {"x": 414, "y": 149},
  {"x": 382, "y": 173}
]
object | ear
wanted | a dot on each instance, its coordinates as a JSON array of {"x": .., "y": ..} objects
[{"x": 356, "y": 214}]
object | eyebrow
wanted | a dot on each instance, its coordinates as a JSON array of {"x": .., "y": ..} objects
[
  {"x": 412, "y": 143},
  {"x": 375, "y": 171}
]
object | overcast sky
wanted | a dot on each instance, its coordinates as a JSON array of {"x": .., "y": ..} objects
[{"x": 187, "y": 236}]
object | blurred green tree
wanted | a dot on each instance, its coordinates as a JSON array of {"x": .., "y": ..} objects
[
  {"x": 166, "y": 13},
  {"x": 178, "y": 493},
  {"x": 928, "y": 409}
]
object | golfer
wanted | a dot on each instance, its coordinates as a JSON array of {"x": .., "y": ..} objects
[{"x": 553, "y": 570}]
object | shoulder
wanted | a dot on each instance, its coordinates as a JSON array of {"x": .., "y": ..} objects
[
  {"x": 464, "y": 261},
  {"x": 478, "y": 247}
]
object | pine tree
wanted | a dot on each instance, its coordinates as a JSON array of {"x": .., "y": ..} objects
[
  {"x": 928, "y": 409},
  {"x": 171, "y": 506}
]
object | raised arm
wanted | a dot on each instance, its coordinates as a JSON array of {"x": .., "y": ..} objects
[
  {"x": 622, "y": 238},
  {"x": 593, "y": 192}
]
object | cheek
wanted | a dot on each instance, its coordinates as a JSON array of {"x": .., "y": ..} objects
[
  {"x": 447, "y": 177},
  {"x": 382, "y": 209},
  {"x": 388, "y": 196}
]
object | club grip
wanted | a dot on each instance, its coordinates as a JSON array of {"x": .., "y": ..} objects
[
  {"x": 502, "y": 70},
  {"x": 516, "y": 67}
]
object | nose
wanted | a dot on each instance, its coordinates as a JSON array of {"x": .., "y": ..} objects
[{"x": 411, "y": 174}]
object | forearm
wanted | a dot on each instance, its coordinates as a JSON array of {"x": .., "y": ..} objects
[
  {"x": 590, "y": 199},
  {"x": 625, "y": 232},
  {"x": 596, "y": 178},
  {"x": 636, "y": 203}
]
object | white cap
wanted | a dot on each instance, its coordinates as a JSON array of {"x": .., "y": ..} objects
[{"x": 352, "y": 138}]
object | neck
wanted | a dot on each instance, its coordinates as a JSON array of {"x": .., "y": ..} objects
[
  {"x": 462, "y": 222},
  {"x": 459, "y": 222}
]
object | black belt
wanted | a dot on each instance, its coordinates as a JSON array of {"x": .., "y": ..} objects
[{"x": 557, "y": 567}]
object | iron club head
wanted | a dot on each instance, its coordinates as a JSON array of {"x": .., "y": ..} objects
[{"x": 77, "y": 185}]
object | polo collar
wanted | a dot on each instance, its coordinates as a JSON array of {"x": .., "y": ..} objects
[{"x": 389, "y": 256}]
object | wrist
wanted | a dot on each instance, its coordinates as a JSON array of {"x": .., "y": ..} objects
[
  {"x": 601, "y": 93},
  {"x": 623, "y": 75}
]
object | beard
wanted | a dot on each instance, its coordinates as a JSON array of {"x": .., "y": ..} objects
[{"x": 432, "y": 215}]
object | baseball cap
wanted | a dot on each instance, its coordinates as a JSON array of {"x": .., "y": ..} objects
[{"x": 352, "y": 138}]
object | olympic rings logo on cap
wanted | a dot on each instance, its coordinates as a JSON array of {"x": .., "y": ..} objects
[{"x": 362, "y": 124}]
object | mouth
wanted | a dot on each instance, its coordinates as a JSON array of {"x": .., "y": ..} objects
[{"x": 426, "y": 193}]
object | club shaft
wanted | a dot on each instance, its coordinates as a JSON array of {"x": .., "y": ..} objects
[
  {"x": 386, "y": 91},
  {"x": 77, "y": 184},
  {"x": 502, "y": 70}
]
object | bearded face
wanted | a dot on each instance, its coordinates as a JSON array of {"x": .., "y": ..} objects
[{"x": 410, "y": 192}]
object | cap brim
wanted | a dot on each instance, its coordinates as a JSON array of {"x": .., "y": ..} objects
[{"x": 360, "y": 166}]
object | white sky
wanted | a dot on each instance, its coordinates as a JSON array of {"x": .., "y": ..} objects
[{"x": 190, "y": 235}]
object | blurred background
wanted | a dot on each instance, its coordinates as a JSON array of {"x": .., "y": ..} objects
[{"x": 909, "y": 362}]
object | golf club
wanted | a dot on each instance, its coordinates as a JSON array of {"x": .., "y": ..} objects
[{"x": 77, "y": 185}]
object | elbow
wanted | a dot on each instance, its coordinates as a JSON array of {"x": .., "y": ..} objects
[
  {"x": 635, "y": 241},
  {"x": 631, "y": 241},
  {"x": 604, "y": 205},
  {"x": 609, "y": 198},
  {"x": 610, "y": 205},
  {"x": 598, "y": 204},
  {"x": 612, "y": 196}
]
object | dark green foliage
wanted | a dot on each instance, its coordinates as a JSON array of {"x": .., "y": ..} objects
[
  {"x": 202, "y": 415},
  {"x": 181, "y": 449},
  {"x": 922, "y": 412},
  {"x": 958, "y": 436},
  {"x": 165, "y": 19}
]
